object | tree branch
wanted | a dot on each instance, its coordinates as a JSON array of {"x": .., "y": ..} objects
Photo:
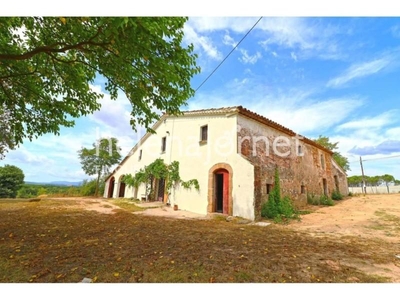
[{"x": 50, "y": 49}]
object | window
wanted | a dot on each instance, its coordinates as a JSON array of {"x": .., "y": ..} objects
[
  {"x": 140, "y": 154},
  {"x": 299, "y": 150},
  {"x": 203, "y": 133},
  {"x": 303, "y": 189},
  {"x": 322, "y": 161},
  {"x": 269, "y": 188},
  {"x": 163, "y": 144}
]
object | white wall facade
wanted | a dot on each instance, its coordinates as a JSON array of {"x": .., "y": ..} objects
[{"x": 196, "y": 159}]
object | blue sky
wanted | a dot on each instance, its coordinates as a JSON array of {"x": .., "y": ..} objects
[{"x": 332, "y": 76}]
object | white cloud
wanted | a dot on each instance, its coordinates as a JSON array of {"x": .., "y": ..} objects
[
  {"x": 114, "y": 115},
  {"x": 293, "y": 56},
  {"x": 201, "y": 42},
  {"x": 307, "y": 35},
  {"x": 288, "y": 32},
  {"x": 358, "y": 71},
  {"x": 249, "y": 59},
  {"x": 22, "y": 156},
  {"x": 245, "y": 58},
  {"x": 228, "y": 40},
  {"x": 274, "y": 54},
  {"x": 366, "y": 123},
  {"x": 295, "y": 109},
  {"x": 311, "y": 117},
  {"x": 208, "y": 24}
]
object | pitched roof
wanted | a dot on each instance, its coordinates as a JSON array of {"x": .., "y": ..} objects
[
  {"x": 252, "y": 115},
  {"x": 222, "y": 111}
]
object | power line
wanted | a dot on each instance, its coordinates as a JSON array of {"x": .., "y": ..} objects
[
  {"x": 234, "y": 48},
  {"x": 381, "y": 158},
  {"x": 378, "y": 158}
]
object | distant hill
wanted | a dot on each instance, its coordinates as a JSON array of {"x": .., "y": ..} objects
[{"x": 59, "y": 183}]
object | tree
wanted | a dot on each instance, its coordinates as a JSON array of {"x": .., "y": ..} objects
[
  {"x": 387, "y": 179},
  {"x": 342, "y": 161},
  {"x": 6, "y": 141},
  {"x": 98, "y": 160},
  {"x": 355, "y": 180},
  {"x": 47, "y": 64},
  {"x": 11, "y": 179}
]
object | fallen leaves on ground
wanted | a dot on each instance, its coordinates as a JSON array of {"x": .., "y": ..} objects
[{"x": 67, "y": 245}]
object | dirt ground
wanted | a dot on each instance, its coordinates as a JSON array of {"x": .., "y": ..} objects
[
  {"x": 370, "y": 216},
  {"x": 357, "y": 240}
]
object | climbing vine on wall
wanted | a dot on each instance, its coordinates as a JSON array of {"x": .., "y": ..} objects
[{"x": 159, "y": 170}]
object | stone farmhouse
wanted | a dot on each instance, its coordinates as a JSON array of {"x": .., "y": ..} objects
[{"x": 233, "y": 153}]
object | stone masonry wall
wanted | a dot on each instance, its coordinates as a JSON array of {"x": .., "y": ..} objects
[{"x": 299, "y": 174}]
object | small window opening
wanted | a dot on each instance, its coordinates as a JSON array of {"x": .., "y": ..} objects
[
  {"x": 269, "y": 188},
  {"x": 299, "y": 150},
  {"x": 163, "y": 144},
  {"x": 204, "y": 133}
]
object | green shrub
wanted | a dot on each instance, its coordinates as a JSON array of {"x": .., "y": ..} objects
[
  {"x": 287, "y": 208},
  {"x": 336, "y": 195},
  {"x": 310, "y": 199},
  {"x": 325, "y": 200},
  {"x": 351, "y": 194},
  {"x": 277, "y": 208},
  {"x": 321, "y": 200}
]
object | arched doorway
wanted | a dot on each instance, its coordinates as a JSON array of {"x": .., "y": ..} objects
[
  {"x": 111, "y": 187},
  {"x": 121, "y": 192},
  {"x": 220, "y": 189}
]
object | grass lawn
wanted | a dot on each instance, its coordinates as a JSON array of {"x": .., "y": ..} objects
[{"x": 48, "y": 241}]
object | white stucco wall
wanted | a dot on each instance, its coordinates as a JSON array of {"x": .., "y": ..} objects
[{"x": 182, "y": 144}]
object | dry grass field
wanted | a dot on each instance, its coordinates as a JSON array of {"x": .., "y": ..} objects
[{"x": 66, "y": 240}]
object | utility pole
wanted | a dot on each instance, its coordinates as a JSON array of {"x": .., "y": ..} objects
[{"x": 364, "y": 188}]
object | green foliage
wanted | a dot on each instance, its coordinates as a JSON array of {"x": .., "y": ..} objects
[
  {"x": 159, "y": 170},
  {"x": 6, "y": 139},
  {"x": 325, "y": 200},
  {"x": 311, "y": 199},
  {"x": 278, "y": 208},
  {"x": 98, "y": 160},
  {"x": 321, "y": 200},
  {"x": 28, "y": 190},
  {"x": 336, "y": 195},
  {"x": 342, "y": 161},
  {"x": 41, "y": 191},
  {"x": 387, "y": 179},
  {"x": 48, "y": 64},
  {"x": 88, "y": 187},
  {"x": 270, "y": 208},
  {"x": 187, "y": 185},
  {"x": 11, "y": 179}
]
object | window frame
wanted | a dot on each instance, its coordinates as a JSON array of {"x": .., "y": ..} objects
[
  {"x": 202, "y": 140},
  {"x": 140, "y": 154},
  {"x": 163, "y": 144}
]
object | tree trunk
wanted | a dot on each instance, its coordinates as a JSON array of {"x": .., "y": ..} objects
[
  {"x": 387, "y": 187},
  {"x": 96, "y": 192}
]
